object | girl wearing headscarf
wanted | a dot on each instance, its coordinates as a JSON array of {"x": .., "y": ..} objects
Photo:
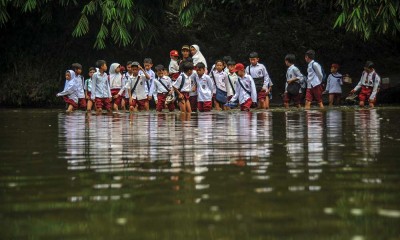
[
  {"x": 197, "y": 56},
  {"x": 70, "y": 94},
  {"x": 115, "y": 85}
]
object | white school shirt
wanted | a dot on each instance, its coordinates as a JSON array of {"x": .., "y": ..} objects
[
  {"x": 314, "y": 77},
  {"x": 173, "y": 66},
  {"x": 159, "y": 88},
  {"x": 149, "y": 84},
  {"x": 221, "y": 79},
  {"x": 193, "y": 83},
  {"x": 79, "y": 86},
  {"x": 292, "y": 72},
  {"x": 241, "y": 94},
  {"x": 140, "y": 92},
  {"x": 260, "y": 71},
  {"x": 100, "y": 86},
  {"x": 126, "y": 81},
  {"x": 70, "y": 90},
  {"x": 205, "y": 86},
  {"x": 88, "y": 85},
  {"x": 187, "y": 86},
  {"x": 334, "y": 83},
  {"x": 116, "y": 81},
  {"x": 367, "y": 80},
  {"x": 233, "y": 77}
]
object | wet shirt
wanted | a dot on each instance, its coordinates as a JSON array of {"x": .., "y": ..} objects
[
  {"x": 293, "y": 72},
  {"x": 100, "y": 86},
  {"x": 187, "y": 86},
  {"x": 314, "y": 77},
  {"x": 334, "y": 83},
  {"x": 205, "y": 86},
  {"x": 243, "y": 94},
  {"x": 259, "y": 71}
]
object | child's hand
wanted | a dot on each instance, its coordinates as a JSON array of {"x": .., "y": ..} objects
[
  {"x": 180, "y": 96},
  {"x": 352, "y": 91},
  {"x": 57, "y": 95},
  {"x": 263, "y": 89},
  {"x": 116, "y": 96}
]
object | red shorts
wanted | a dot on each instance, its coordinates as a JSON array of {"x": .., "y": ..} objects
[
  {"x": 193, "y": 103},
  {"x": 82, "y": 103},
  {"x": 117, "y": 100},
  {"x": 204, "y": 106},
  {"x": 287, "y": 97},
  {"x": 70, "y": 102},
  {"x": 140, "y": 103},
  {"x": 185, "y": 96},
  {"x": 261, "y": 95},
  {"x": 246, "y": 105},
  {"x": 100, "y": 102},
  {"x": 365, "y": 93},
  {"x": 314, "y": 93},
  {"x": 174, "y": 76},
  {"x": 161, "y": 103}
]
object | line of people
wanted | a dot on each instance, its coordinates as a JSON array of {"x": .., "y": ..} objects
[{"x": 188, "y": 84}]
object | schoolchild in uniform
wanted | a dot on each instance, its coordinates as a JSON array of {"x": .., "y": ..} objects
[
  {"x": 116, "y": 84},
  {"x": 182, "y": 87},
  {"x": 232, "y": 79},
  {"x": 293, "y": 76},
  {"x": 101, "y": 93},
  {"x": 162, "y": 87},
  {"x": 79, "y": 81},
  {"x": 334, "y": 85},
  {"x": 369, "y": 85},
  {"x": 136, "y": 88},
  {"x": 88, "y": 89},
  {"x": 126, "y": 77},
  {"x": 193, "y": 92},
  {"x": 314, "y": 80},
  {"x": 262, "y": 80},
  {"x": 70, "y": 94},
  {"x": 185, "y": 51},
  {"x": 225, "y": 59},
  {"x": 174, "y": 65},
  {"x": 204, "y": 87},
  {"x": 245, "y": 89},
  {"x": 150, "y": 75},
  {"x": 220, "y": 78},
  {"x": 197, "y": 56}
]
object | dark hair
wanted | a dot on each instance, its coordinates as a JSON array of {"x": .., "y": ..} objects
[
  {"x": 100, "y": 63},
  {"x": 92, "y": 69},
  {"x": 187, "y": 66},
  {"x": 310, "y": 54},
  {"x": 200, "y": 65},
  {"x": 369, "y": 64},
  {"x": 189, "y": 59},
  {"x": 227, "y": 59},
  {"x": 76, "y": 66},
  {"x": 231, "y": 62},
  {"x": 290, "y": 58},
  {"x": 219, "y": 60},
  {"x": 160, "y": 67},
  {"x": 148, "y": 60},
  {"x": 129, "y": 63},
  {"x": 253, "y": 55}
]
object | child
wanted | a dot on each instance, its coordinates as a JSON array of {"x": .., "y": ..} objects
[
  {"x": 293, "y": 76},
  {"x": 126, "y": 77},
  {"x": 245, "y": 89},
  {"x": 163, "y": 86},
  {"x": 173, "y": 65},
  {"x": 314, "y": 80},
  {"x": 69, "y": 93},
  {"x": 136, "y": 88},
  {"x": 232, "y": 79},
  {"x": 220, "y": 79},
  {"x": 115, "y": 85},
  {"x": 182, "y": 87},
  {"x": 262, "y": 80},
  {"x": 204, "y": 88},
  {"x": 185, "y": 51},
  {"x": 88, "y": 89},
  {"x": 101, "y": 93},
  {"x": 79, "y": 85},
  {"x": 150, "y": 75},
  {"x": 334, "y": 85},
  {"x": 197, "y": 56},
  {"x": 369, "y": 85}
]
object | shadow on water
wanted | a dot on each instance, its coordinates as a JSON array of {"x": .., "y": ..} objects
[{"x": 262, "y": 175}]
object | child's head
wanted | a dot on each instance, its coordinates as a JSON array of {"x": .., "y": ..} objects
[
  {"x": 148, "y": 63},
  {"x": 369, "y": 66},
  {"x": 166, "y": 72},
  {"x": 174, "y": 55},
  {"x": 77, "y": 68},
  {"x": 253, "y": 58},
  {"x": 129, "y": 67},
  {"x": 226, "y": 59},
  {"x": 289, "y": 59},
  {"x": 102, "y": 65},
  {"x": 231, "y": 66},
  {"x": 185, "y": 51},
  {"x": 160, "y": 70},
  {"x": 135, "y": 68},
  {"x": 219, "y": 65},
  {"x": 92, "y": 70},
  {"x": 115, "y": 68},
  {"x": 194, "y": 49},
  {"x": 334, "y": 68},
  {"x": 200, "y": 68},
  {"x": 239, "y": 69},
  {"x": 187, "y": 68},
  {"x": 67, "y": 75},
  {"x": 309, "y": 56}
]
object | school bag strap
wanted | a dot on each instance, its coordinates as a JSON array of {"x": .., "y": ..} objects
[
  {"x": 136, "y": 83},
  {"x": 163, "y": 85},
  {"x": 212, "y": 75},
  {"x": 230, "y": 83},
  {"x": 241, "y": 84},
  {"x": 182, "y": 82}
]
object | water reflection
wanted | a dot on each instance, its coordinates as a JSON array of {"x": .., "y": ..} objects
[{"x": 367, "y": 134}]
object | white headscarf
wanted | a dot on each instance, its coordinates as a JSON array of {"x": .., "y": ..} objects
[
  {"x": 198, "y": 57},
  {"x": 115, "y": 78}
]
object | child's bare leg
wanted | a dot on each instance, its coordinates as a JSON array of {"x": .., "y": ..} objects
[
  {"x": 89, "y": 106},
  {"x": 115, "y": 107},
  {"x": 266, "y": 103},
  {"x": 147, "y": 106},
  {"x": 331, "y": 99},
  {"x": 321, "y": 105},
  {"x": 123, "y": 105},
  {"x": 362, "y": 103},
  {"x": 307, "y": 105},
  {"x": 70, "y": 108},
  {"x": 217, "y": 106},
  {"x": 182, "y": 106},
  {"x": 188, "y": 107}
]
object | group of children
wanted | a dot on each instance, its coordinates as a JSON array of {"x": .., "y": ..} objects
[{"x": 188, "y": 85}]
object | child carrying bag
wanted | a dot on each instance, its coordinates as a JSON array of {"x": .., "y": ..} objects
[{"x": 220, "y": 94}]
